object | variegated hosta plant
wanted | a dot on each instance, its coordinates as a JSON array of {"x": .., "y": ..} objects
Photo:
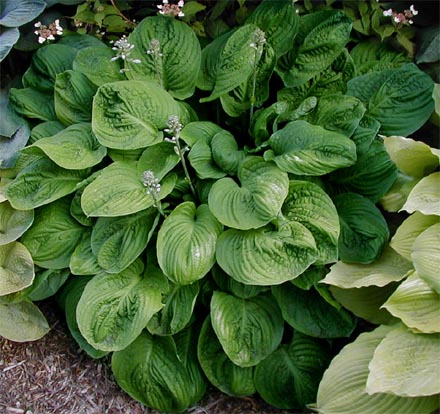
[{"x": 185, "y": 205}]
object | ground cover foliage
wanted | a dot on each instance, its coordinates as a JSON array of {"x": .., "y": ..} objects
[{"x": 209, "y": 198}]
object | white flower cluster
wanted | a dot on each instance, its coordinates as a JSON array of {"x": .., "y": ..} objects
[
  {"x": 405, "y": 17},
  {"x": 48, "y": 32},
  {"x": 172, "y": 10},
  {"x": 123, "y": 50},
  {"x": 150, "y": 181}
]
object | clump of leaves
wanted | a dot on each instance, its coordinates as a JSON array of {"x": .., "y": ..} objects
[{"x": 195, "y": 215}]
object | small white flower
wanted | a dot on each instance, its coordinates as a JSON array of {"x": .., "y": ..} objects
[
  {"x": 38, "y": 24},
  {"x": 410, "y": 22},
  {"x": 181, "y": 3},
  {"x": 388, "y": 12},
  {"x": 413, "y": 10},
  {"x": 397, "y": 19},
  {"x": 41, "y": 39}
]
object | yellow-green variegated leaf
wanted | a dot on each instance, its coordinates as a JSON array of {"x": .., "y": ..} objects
[
  {"x": 389, "y": 267},
  {"x": 22, "y": 322},
  {"x": 416, "y": 304},
  {"x": 248, "y": 329},
  {"x": 425, "y": 196},
  {"x": 16, "y": 268},
  {"x": 405, "y": 364},
  {"x": 114, "y": 308},
  {"x": 255, "y": 202},
  {"x": 342, "y": 388},
  {"x": 13, "y": 223},
  {"x": 266, "y": 256},
  {"x": 186, "y": 243},
  {"x": 426, "y": 256}
]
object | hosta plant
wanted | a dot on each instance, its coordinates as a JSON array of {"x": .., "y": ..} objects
[{"x": 184, "y": 198}]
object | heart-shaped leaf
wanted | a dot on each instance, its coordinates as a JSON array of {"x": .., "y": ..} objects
[
  {"x": 160, "y": 158},
  {"x": 225, "y": 152}
]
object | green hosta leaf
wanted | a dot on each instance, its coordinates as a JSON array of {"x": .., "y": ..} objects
[
  {"x": 248, "y": 329},
  {"x": 41, "y": 182},
  {"x": 13, "y": 223},
  {"x": 343, "y": 384},
  {"x": 83, "y": 261},
  {"x": 426, "y": 256},
  {"x": 45, "y": 129},
  {"x": 389, "y": 267},
  {"x": 266, "y": 256},
  {"x": 305, "y": 149},
  {"x": 279, "y": 22},
  {"x": 425, "y": 197},
  {"x": 364, "y": 135},
  {"x": 117, "y": 241},
  {"x": 76, "y": 40},
  {"x": 32, "y": 103},
  {"x": 199, "y": 131},
  {"x": 219, "y": 369},
  {"x": 308, "y": 204},
  {"x": 47, "y": 283},
  {"x": 75, "y": 206},
  {"x": 256, "y": 202},
  {"x": 8, "y": 38},
  {"x": 53, "y": 236},
  {"x": 15, "y": 13},
  {"x": 118, "y": 191},
  {"x": 16, "y": 268},
  {"x": 394, "y": 369},
  {"x": 309, "y": 313},
  {"x": 186, "y": 243},
  {"x": 150, "y": 371},
  {"x": 289, "y": 377},
  {"x": 404, "y": 237},
  {"x": 176, "y": 69},
  {"x": 364, "y": 231},
  {"x": 95, "y": 63},
  {"x": 225, "y": 152},
  {"x": 73, "y": 148},
  {"x": 160, "y": 158},
  {"x": 73, "y": 97},
  {"x": 114, "y": 309},
  {"x": 129, "y": 114},
  {"x": 310, "y": 277},
  {"x": 400, "y": 99},
  {"x": 416, "y": 304},
  {"x": 22, "y": 322}
]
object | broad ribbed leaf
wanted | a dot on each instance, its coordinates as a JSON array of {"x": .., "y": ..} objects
[
  {"x": 45, "y": 129},
  {"x": 114, "y": 308},
  {"x": 289, "y": 377},
  {"x": 32, "y": 103},
  {"x": 13, "y": 223},
  {"x": 305, "y": 149},
  {"x": 364, "y": 231},
  {"x": 53, "y": 236},
  {"x": 308, "y": 204},
  {"x": 266, "y": 256},
  {"x": 199, "y": 131},
  {"x": 364, "y": 135},
  {"x": 395, "y": 370},
  {"x": 42, "y": 182},
  {"x": 248, "y": 329},
  {"x": 416, "y": 304},
  {"x": 22, "y": 322},
  {"x": 47, "y": 283},
  {"x": 225, "y": 152},
  {"x": 15, "y": 13},
  {"x": 186, "y": 243},
  {"x": 73, "y": 148},
  {"x": 129, "y": 114},
  {"x": 117, "y": 241},
  {"x": 83, "y": 261},
  {"x": 219, "y": 369},
  {"x": 16, "y": 268},
  {"x": 256, "y": 202},
  {"x": 343, "y": 384},
  {"x": 8, "y": 38},
  {"x": 176, "y": 68},
  {"x": 310, "y": 314},
  {"x": 160, "y": 158},
  {"x": 425, "y": 196}
]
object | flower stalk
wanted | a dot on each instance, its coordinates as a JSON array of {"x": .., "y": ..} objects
[
  {"x": 257, "y": 44},
  {"x": 150, "y": 181}
]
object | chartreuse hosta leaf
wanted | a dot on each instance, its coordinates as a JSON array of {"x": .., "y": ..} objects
[
  {"x": 248, "y": 329},
  {"x": 256, "y": 202},
  {"x": 426, "y": 256},
  {"x": 45, "y": 129},
  {"x": 73, "y": 148},
  {"x": 22, "y": 322},
  {"x": 13, "y": 223},
  {"x": 41, "y": 182},
  {"x": 129, "y": 114},
  {"x": 289, "y": 377},
  {"x": 116, "y": 242},
  {"x": 118, "y": 191},
  {"x": 364, "y": 231},
  {"x": 309, "y": 313},
  {"x": 160, "y": 158},
  {"x": 266, "y": 256},
  {"x": 53, "y": 236},
  {"x": 82, "y": 260},
  {"x": 46, "y": 283},
  {"x": 394, "y": 369},
  {"x": 114, "y": 308},
  {"x": 16, "y": 268},
  {"x": 343, "y": 385},
  {"x": 169, "y": 52},
  {"x": 425, "y": 197},
  {"x": 219, "y": 369},
  {"x": 186, "y": 243},
  {"x": 416, "y": 304},
  {"x": 151, "y": 371},
  {"x": 310, "y": 205},
  {"x": 305, "y": 149},
  {"x": 225, "y": 152}
]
